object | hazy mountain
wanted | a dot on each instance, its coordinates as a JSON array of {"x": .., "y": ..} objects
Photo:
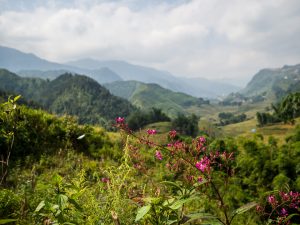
[
  {"x": 48, "y": 74},
  {"x": 71, "y": 94},
  {"x": 199, "y": 87},
  {"x": 132, "y": 72},
  {"x": 30, "y": 65},
  {"x": 274, "y": 82},
  {"x": 147, "y": 96},
  {"x": 208, "y": 88},
  {"x": 105, "y": 75},
  {"x": 108, "y": 71},
  {"x": 15, "y": 60}
]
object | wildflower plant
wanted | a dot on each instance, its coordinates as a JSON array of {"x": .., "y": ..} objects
[
  {"x": 207, "y": 174},
  {"x": 280, "y": 208}
]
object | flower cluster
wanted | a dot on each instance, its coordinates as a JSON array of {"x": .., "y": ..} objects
[
  {"x": 203, "y": 165},
  {"x": 172, "y": 134},
  {"x": 200, "y": 144},
  {"x": 280, "y": 206},
  {"x": 120, "y": 120},
  {"x": 158, "y": 155},
  {"x": 151, "y": 131}
]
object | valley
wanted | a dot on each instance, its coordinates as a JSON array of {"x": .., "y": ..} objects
[{"x": 109, "y": 142}]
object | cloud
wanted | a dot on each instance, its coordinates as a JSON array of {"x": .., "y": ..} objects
[{"x": 208, "y": 38}]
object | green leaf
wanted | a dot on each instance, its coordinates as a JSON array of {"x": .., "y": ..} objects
[
  {"x": 153, "y": 201},
  {"x": 245, "y": 208},
  {"x": 170, "y": 222},
  {"x": 5, "y": 221},
  {"x": 201, "y": 215},
  {"x": 40, "y": 206},
  {"x": 178, "y": 204},
  {"x": 168, "y": 201},
  {"x": 142, "y": 212},
  {"x": 62, "y": 200},
  {"x": 57, "y": 179},
  {"x": 17, "y": 98},
  {"x": 172, "y": 184},
  {"x": 204, "y": 181},
  {"x": 76, "y": 205},
  {"x": 207, "y": 217},
  {"x": 290, "y": 217}
]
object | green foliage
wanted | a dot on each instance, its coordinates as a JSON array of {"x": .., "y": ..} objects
[
  {"x": 139, "y": 119},
  {"x": 229, "y": 118},
  {"x": 97, "y": 180},
  {"x": 286, "y": 110},
  {"x": 10, "y": 206},
  {"x": 61, "y": 207},
  {"x": 186, "y": 125},
  {"x": 171, "y": 209},
  {"x": 9, "y": 117},
  {"x": 289, "y": 108}
]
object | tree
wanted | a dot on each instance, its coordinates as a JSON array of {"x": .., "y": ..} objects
[{"x": 186, "y": 125}]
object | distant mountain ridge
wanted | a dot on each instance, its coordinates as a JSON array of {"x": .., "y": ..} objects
[
  {"x": 29, "y": 65},
  {"x": 276, "y": 82},
  {"x": 146, "y": 96},
  {"x": 16, "y": 61},
  {"x": 199, "y": 87},
  {"x": 70, "y": 94}
]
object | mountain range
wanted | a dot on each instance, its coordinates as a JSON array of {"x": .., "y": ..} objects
[
  {"x": 111, "y": 70},
  {"x": 145, "y": 87}
]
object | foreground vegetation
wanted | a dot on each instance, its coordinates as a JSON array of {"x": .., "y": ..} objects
[{"x": 54, "y": 171}]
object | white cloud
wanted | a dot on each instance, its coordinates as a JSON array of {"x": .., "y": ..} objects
[{"x": 209, "y": 38}]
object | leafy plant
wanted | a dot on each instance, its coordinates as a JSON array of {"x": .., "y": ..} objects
[
  {"x": 62, "y": 207},
  {"x": 192, "y": 162},
  {"x": 9, "y": 116}
]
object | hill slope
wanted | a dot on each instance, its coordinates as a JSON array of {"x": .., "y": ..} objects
[
  {"x": 147, "y": 96},
  {"x": 274, "y": 82},
  {"x": 71, "y": 94}
]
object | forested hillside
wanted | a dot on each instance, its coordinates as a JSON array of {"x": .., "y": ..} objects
[
  {"x": 68, "y": 94},
  {"x": 146, "y": 96},
  {"x": 273, "y": 82}
]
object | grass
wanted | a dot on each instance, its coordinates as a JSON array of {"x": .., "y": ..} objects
[{"x": 244, "y": 129}]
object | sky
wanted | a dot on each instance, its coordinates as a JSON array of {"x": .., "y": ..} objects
[{"x": 215, "y": 39}]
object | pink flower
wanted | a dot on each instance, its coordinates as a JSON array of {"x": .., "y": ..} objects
[
  {"x": 284, "y": 212},
  {"x": 203, "y": 164},
  {"x": 272, "y": 200},
  {"x": 105, "y": 179},
  {"x": 172, "y": 133},
  {"x": 120, "y": 120},
  {"x": 200, "y": 179},
  {"x": 151, "y": 132},
  {"x": 284, "y": 196},
  {"x": 158, "y": 155},
  {"x": 202, "y": 139}
]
